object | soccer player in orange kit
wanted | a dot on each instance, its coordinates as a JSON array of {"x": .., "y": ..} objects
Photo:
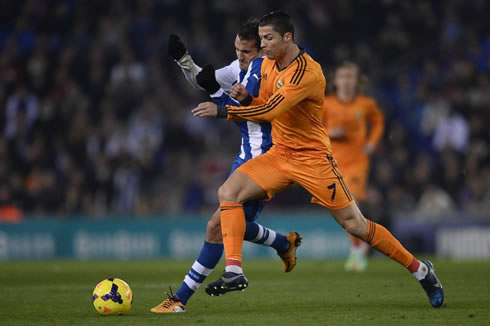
[
  {"x": 347, "y": 115},
  {"x": 291, "y": 96}
]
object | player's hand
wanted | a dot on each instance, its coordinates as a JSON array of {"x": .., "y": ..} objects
[
  {"x": 369, "y": 149},
  {"x": 176, "y": 49},
  {"x": 239, "y": 92},
  {"x": 336, "y": 133},
  {"x": 206, "y": 109},
  {"x": 206, "y": 78}
]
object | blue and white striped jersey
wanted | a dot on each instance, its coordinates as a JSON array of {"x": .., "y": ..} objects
[{"x": 256, "y": 137}]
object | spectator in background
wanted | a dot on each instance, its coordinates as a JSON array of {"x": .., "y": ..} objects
[
  {"x": 94, "y": 120},
  {"x": 452, "y": 132},
  {"x": 434, "y": 204},
  {"x": 22, "y": 111}
]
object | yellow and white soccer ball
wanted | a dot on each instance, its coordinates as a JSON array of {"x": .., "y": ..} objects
[{"x": 112, "y": 297}]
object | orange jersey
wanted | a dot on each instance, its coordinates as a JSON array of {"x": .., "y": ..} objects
[
  {"x": 353, "y": 117},
  {"x": 292, "y": 99}
]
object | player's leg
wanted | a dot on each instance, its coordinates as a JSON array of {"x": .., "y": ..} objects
[
  {"x": 212, "y": 250},
  {"x": 285, "y": 245},
  {"x": 208, "y": 258},
  {"x": 237, "y": 189},
  {"x": 356, "y": 177},
  {"x": 325, "y": 182},
  {"x": 258, "y": 178},
  {"x": 357, "y": 260},
  {"x": 254, "y": 232},
  {"x": 382, "y": 240},
  {"x": 257, "y": 233}
]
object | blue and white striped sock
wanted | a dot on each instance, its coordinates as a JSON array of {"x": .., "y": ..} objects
[
  {"x": 208, "y": 259},
  {"x": 257, "y": 233}
]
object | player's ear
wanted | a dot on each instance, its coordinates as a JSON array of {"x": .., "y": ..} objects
[{"x": 288, "y": 36}]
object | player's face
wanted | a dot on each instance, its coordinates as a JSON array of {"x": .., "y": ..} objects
[
  {"x": 272, "y": 43},
  {"x": 246, "y": 51},
  {"x": 346, "y": 79}
]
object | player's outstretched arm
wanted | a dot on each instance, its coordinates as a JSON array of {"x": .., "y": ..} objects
[
  {"x": 206, "y": 78},
  {"x": 178, "y": 51},
  {"x": 282, "y": 100},
  {"x": 238, "y": 94},
  {"x": 291, "y": 92}
]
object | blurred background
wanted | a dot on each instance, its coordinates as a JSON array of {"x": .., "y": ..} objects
[{"x": 97, "y": 141}]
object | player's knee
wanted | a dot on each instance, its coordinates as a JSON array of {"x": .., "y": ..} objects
[{"x": 227, "y": 195}]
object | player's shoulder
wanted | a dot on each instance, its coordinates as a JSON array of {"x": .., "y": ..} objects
[
  {"x": 306, "y": 67},
  {"x": 234, "y": 65},
  {"x": 258, "y": 60},
  {"x": 312, "y": 64},
  {"x": 256, "y": 64},
  {"x": 311, "y": 68},
  {"x": 232, "y": 69}
]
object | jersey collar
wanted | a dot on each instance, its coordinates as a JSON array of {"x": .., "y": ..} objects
[{"x": 301, "y": 52}]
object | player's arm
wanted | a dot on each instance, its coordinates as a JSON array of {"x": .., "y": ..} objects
[
  {"x": 245, "y": 94},
  {"x": 207, "y": 80},
  {"x": 251, "y": 95},
  {"x": 242, "y": 95},
  {"x": 376, "y": 120},
  {"x": 238, "y": 92},
  {"x": 178, "y": 51},
  {"x": 282, "y": 100},
  {"x": 223, "y": 77},
  {"x": 227, "y": 76}
]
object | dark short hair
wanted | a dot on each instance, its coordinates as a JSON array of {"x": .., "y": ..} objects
[
  {"x": 280, "y": 20},
  {"x": 250, "y": 32}
]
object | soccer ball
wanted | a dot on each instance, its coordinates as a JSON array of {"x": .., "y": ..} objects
[{"x": 112, "y": 297}]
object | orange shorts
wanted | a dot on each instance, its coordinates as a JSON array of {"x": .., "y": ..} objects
[
  {"x": 315, "y": 171},
  {"x": 356, "y": 177}
]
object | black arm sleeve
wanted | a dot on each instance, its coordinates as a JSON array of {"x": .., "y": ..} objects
[{"x": 222, "y": 112}]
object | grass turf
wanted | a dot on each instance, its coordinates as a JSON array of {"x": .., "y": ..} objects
[{"x": 315, "y": 293}]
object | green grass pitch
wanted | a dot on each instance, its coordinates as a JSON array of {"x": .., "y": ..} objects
[{"x": 315, "y": 293}]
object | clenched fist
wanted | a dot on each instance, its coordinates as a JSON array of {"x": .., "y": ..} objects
[{"x": 239, "y": 92}]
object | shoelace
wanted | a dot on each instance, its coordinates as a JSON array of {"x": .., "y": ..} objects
[{"x": 171, "y": 300}]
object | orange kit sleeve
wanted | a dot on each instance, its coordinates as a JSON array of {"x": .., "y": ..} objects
[{"x": 282, "y": 100}]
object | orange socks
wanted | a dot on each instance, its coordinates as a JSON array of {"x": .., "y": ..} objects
[
  {"x": 233, "y": 230},
  {"x": 382, "y": 240}
]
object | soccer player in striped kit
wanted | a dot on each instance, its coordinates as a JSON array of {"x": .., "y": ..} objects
[{"x": 256, "y": 140}]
